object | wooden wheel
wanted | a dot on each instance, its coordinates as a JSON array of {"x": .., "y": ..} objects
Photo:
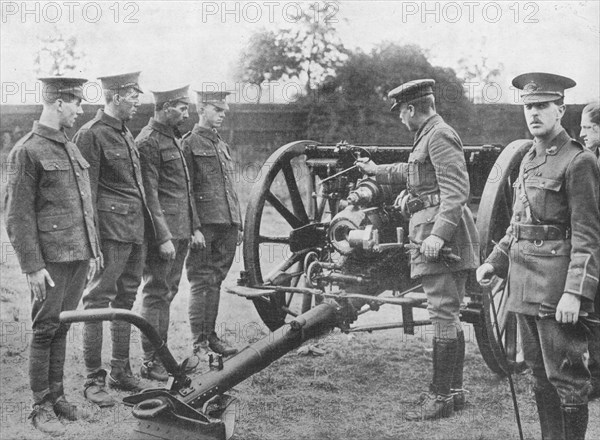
[
  {"x": 495, "y": 212},
  {"x": 282, "y": 200}
]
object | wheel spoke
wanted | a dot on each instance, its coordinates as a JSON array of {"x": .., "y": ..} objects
[
  {"x": 296, "y": 197},
  {"x": 284, "y": 265},
  {"x": 294, "y": 221},
  {"x": 266, "y": 239}
]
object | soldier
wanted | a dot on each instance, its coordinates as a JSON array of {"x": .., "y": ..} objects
[
  {"x": 211, "y": 170},
  {"x": 590, "y": 133},
  {"x": 120, "y": 204},
  {"x": 550, "y": 254},
  {"x": 438, "y": 187},
  {"x": 168, "y": 191},
  {"x": 50, "y": 222}
]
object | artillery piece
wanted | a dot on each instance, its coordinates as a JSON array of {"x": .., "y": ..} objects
[{"x": 322, "y": 245}]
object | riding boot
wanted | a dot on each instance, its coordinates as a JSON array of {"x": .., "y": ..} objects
[
  {"x": 457, "y": 390},
  {"x": 575, "y": 420},
  {"x": 549, "y": 410},
  {"x": 439, "y": 402}
]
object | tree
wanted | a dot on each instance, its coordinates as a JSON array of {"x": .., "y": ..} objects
[
  {"x": 309, "y": 51},
  {"x": 58, "y": 55},
  {"x": 354, "y": 107}
]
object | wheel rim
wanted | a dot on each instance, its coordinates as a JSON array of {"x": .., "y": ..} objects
[
  {"x": 281, "y": 200},
  {"x": 493, "y": 218}
]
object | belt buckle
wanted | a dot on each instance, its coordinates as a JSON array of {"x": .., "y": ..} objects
[{"x": 538, "y": 243}]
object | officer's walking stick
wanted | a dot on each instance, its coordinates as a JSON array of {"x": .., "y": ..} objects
[{"x": 488, "y": 290}]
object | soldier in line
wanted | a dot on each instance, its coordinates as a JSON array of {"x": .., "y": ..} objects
[
  {"x": 551, "y": 254},
  {"x": 168, "y": 192},
  {"x": 50, "y": 222},
  {"x": 122, "y": 213},
  {"x": 438, "y": 190},
  {"x": 211, "y": 169},
  {"x": 590, "y": 133}
]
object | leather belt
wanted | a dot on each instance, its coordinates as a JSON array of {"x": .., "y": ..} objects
[
  {"x": 540, "y": 232},
  {"x": 416, "y": 204}
]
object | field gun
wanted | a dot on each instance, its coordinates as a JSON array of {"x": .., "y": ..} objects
[{"x": 322, "y": 245}]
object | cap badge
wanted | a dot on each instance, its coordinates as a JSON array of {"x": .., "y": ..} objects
[{"x": 531, "y": 87}]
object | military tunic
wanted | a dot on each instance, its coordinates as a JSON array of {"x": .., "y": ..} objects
[
  {"x": 436, "y": 172},
  {"x": 557, "y": 189},
  {"x": 122, "y": 210},
  {"x": 212, "y": 171},
  {"x": 168, "y": 191},
  {"x": 50, "y": 222}
]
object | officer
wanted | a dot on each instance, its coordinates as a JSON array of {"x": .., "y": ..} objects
[
  {"x": 440, "y": 222},
  {"x": 590, "y": 133},
  {"x": 550, "y": 254},
  {"x": 50, "y": 223},
  {"x": 168, "y": 192},
  {"x": 120, "y": 203},
  {"x": 211, "y": 170}
]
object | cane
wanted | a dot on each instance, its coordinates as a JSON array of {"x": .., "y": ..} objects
[{"x": 513, "y": 393}]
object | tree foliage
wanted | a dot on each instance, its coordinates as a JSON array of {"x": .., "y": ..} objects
[
  {"x": 307, "y": 52},
  {"x": 58, "y": 55},
  {"x": 354, "y": 108}
]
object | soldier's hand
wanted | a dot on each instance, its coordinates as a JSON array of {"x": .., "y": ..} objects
[
  {"x": 484, "y": 274},
  {"x": 368, "y": 167},
  {"x": 37, "y": 283},
  {"x": 567, "y": 310},
  {"x": 167, "y": 250},
  {"x": 198, "y": 241},
  {"x": 240, "y": 237},
  {"x": 431, "y": 246}
]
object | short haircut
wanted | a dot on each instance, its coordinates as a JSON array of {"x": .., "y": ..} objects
[
  {"x": 109, "y": 94},
  {"x": 51, "y": 98},
  {"x": 423, "y": 104},
  {"x": 173, "y": 103},
  {"x": 593, "y": 109}
]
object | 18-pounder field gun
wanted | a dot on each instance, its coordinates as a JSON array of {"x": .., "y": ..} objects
[{"x": 323, "y": 245}]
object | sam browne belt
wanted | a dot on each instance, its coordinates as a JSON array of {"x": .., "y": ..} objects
[{"x": 540, "y": 232}]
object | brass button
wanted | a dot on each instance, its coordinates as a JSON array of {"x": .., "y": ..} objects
[
  {"x": 55, "y": 226},
  {"x": 112, "y": 208},
  {"x": 118, "y": 154},
  {"x": 76, "y": 173}
]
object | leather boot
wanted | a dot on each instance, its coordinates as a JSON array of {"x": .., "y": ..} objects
[
  {"x": 459, "y": 394},
  {"x": 94, "y": 390},
  {"x": 548, "y": 406},
  {"x": 121, "y": 378},
  {"x": 575, "y": 420},
  {"x": 219, "y": 346},
  {"x": 439, "y": 402},
  {"x": 43, "y": 418},
  {"x": 154, "y": 370}
]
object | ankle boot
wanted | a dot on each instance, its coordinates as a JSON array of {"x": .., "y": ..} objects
[
  {"x": 575, "y": 420},
  {"x": 548, "y": 406},
  {"x": 439, "y": 403},
  {"x": 459, "y": 394}
]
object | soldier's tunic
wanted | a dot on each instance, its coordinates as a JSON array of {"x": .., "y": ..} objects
[
  {"x": 50, "y": 223},
  {"x": 559, "y": 181},
  {"x": 121, "y": 208},
  {"x": 168, "y": 192},
  {"x": 212, "y": 171},
  {"x": 436, "y": 172}
]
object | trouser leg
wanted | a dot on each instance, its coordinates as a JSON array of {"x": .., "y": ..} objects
[{"x": 206, "y": 269}]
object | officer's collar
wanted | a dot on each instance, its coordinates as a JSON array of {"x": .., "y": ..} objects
[
  {"x": 50, "y": 133},
  {"x": 210, "y": 133},
  {"x": 162, "y": 128},
  {"x": 553, "y": 146},
  {"x": 110, "y": 121},
  {"x": 427, "y": 125}
]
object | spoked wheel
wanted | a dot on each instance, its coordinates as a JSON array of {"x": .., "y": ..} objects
[
  {"x": 283, "y": 199},
  {"x": 495, "y": 212}
]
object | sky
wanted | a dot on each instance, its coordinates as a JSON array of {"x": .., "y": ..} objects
[{"x": 198, "y": 42}]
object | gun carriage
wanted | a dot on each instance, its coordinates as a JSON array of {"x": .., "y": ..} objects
[{"x": 322, "y": 245}]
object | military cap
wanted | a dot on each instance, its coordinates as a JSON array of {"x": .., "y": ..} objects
[
  {"x": 542, "y": 87},
  {"x": 215, "y": 98},
  {"x": 410, "y": 91},
  {"x": 54, "y": 86},
  {"x": 181, "y": 94},
  {"x": 123, "y": 81}
]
